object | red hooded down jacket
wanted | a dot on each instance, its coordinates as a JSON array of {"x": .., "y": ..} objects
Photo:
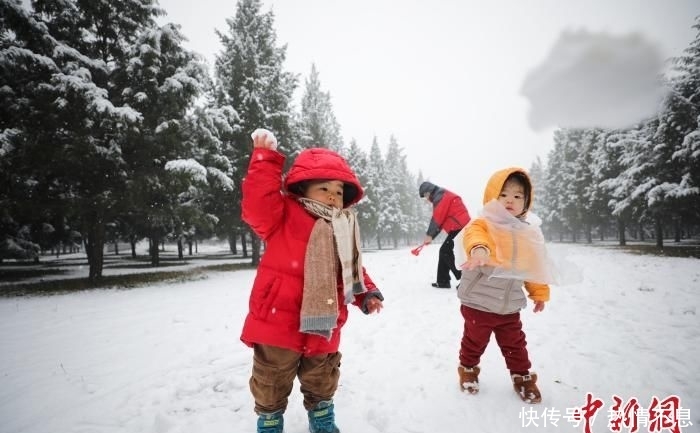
[{"x": 285, "y": 226}]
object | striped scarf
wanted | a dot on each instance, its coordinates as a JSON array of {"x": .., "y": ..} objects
[{"x": 334, "y": 238}]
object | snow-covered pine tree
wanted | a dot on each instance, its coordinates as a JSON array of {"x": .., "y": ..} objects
[
  {"x": 396, "y": 199},
  {"x": 604, "y": 166},
  {"x": 682, "y": 117},
  {"x": 61, "y": 55},
  {"x": 250, "y": 77},
  {"x": 103, "y": 32},
  {"x": 647, "y": 174},
  {"x": 536, "y": 172},
  {"x": 318, "y": 125},
  {"x": 424, "y": 210},
  {"x": 636, "y": 163},
  {"x": 210, "y": 133},
  {"x": 411, "y": 205},
  {"x": 160, "y": 79},
  {"x": 357, "y": 159},
  {"x": 583, "y": 176},
  {"x": 560, "y": 191},
  {"x": 609, "y": 162},
  {"x": 379, "y": 214},
  {"x": 22, "y": 60}
]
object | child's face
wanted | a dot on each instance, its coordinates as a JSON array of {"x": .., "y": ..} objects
[
  {"x": 329, "y": 192},
  {"x": 512, "y": 197}
]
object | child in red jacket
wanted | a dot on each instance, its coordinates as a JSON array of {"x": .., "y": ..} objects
[{"x": 311, "y": 270}]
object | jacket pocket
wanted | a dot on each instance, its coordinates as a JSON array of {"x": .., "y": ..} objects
[{"x": 265, "y": 290}]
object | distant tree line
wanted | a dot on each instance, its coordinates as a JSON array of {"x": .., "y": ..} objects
[
  {"x": 642, "y": 182},
  {"x": 110, "y": 130}
]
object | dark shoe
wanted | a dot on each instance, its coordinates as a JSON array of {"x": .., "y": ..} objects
[{"x": 441, "y": 286}]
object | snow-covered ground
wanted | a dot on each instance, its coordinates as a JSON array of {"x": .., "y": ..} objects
[{"x": 167, "y": 359}]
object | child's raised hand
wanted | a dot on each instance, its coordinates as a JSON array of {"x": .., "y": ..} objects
[
  {"x": 374, "y": 305},
  {"x": 264, "y": 138}
]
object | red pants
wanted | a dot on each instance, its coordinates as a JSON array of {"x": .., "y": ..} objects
[{"x": 510, "y": 337}]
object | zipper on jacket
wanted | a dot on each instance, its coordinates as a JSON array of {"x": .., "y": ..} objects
[
  {"x": 506, "y": 297},
  {"x": 469, "y": 288}
]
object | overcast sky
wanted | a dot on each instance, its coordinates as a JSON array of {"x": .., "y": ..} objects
[{"x": 444, "y": 77}]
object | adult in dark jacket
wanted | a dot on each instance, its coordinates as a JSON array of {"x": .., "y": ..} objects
[{"x": 451, "y": 215}]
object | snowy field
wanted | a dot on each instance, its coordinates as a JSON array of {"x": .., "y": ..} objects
[{"x": 167, "y": 359}]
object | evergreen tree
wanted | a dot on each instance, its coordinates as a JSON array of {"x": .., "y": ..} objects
[
  {"x": 424, "y": 210},
  {"x": 395, "y": 200},
  {"x": 605, "y": 167},
  {"x": 379, "y": 214},
  {"x": 667, "y": 187},
  {"x": 682, "y": 117},
  {"x": 537, "y": 173},
  {"x": 210, "y": 131},
  {"x": 561, "y": 193},
  {"x": 70, "y": 157},
  {"x": 251, "y": 79},
  {"x": 636, "y": 168},
  {"x": 584, "y": 186},
  {"x": 416, "y": 221},
  {"x": 319, "y": 127},
  {"x": 24, "y": 66},
  {"x": 162, "y": 80},
  {"x": 358, "y": 160}
]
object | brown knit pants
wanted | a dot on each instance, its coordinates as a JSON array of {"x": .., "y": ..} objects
[{"x": 274, "y": 370}]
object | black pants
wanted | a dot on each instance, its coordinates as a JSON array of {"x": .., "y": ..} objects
[{"x": 446, "y": 260}]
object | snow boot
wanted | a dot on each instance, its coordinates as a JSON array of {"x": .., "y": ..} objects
[
  {"x": 526, "y": 387},
  {"x": 469, "y": 378},
  {"x": 441, "y": 286},
  {"x": 322, "y": 418},
  {"x": 271, "y": 423}
]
